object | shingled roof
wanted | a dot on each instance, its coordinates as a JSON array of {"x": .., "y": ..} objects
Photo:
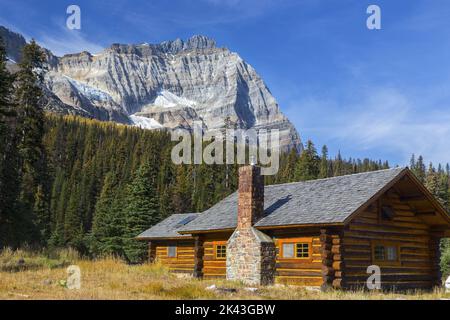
[
  {"x": 323, "y": 201},
  {"x": 168, "y": 228}
]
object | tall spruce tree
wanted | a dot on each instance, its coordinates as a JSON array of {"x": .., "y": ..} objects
[
  {"x": 324, "y": 171},
  {"x": 108, "y": 227},
  {"x": 308, "y": 163},
  {"x": 9, "y": 157},
  {"x": 34, "y": 184},
  {"x": 141, "y": 211}
]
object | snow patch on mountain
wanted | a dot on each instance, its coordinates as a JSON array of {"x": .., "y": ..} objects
[
  {"x": 145, "y": 123},
  {"x": 167, "y": 99},
  {"x": 90, "y": 92},
  {"x": 9, "y": 59}
]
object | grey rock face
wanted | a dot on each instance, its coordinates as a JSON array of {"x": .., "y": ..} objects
[
  {"x": 172, "y": 84},
  {"x": 13, "y": 43}
]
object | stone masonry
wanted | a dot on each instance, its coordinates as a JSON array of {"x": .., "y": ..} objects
[{"x": 250, "y": 253}]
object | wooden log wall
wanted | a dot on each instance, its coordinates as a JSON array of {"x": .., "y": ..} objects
[
  {"x": 213, "y": 267},
  {"x": 414, "y": 269},
  {"x": 183, "y": 262},
  {"x": 298, "y": 271}
]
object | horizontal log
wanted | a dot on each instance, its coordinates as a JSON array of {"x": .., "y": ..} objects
[
  {"x": 299, "y": 273},
  {"x": 338, "y": 265},
  {"x": 337, "y": 257},
  {"x": 298, "y": 265},
  {"x": 387, "y": 229},
  {"x": 336, "y": 249},
  {"x": 337, "y": 241},
  {"x": 392, "y": 278}
]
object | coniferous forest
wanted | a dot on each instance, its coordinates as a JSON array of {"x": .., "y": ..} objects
[{"x": 74, "y": 182}]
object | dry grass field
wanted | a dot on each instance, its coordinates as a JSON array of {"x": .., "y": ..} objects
[{"x": 37, "y": 276}]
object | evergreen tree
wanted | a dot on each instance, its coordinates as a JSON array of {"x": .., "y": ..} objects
[
  {"x": 338, "y": 165},
  {"x": 419, "y": 169},
  {"x": 432, "y": 180},
  {"x": 141, "y": 211},
  {"x": 308, "y": 163},
  {"x": 324, "y": 167},
  {"x": 9, "y": 158},
  {"x": 34, "y": 185},
  {"x": 109, "y": 224}
]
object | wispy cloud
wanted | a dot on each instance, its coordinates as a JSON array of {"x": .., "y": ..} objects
[
  {"x": 62, "y": 41},
  {"x": 381, "y": 119}
]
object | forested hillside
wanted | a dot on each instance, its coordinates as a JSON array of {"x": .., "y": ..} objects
[{"x": 109, "y": 182}]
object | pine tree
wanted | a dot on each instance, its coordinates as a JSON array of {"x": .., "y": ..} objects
[
  {"x": 419, "y": 169},
  {"x": 431, "y": 180},
  {"x": 338, "y": 165},
  {"x": 308, "y": 163},
  {"x": 9, "y": 157},
  {"x": 141, "y": 211},
  {"x": 324, "y": 167},
  {"x": 109, "y": 224},
  {"x": 34, "y": 185}
]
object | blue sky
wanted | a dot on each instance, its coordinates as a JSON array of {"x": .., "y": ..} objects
[{"x": 382, "y": 94}]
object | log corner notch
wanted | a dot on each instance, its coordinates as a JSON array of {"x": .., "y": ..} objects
[
  {"x": 332, "y": 252},
  {"x": 198, "y": 257},
  {"x": 151, "y": 252}
]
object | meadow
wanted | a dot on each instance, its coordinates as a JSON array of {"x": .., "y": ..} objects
[{"x": 42, "y": 275}]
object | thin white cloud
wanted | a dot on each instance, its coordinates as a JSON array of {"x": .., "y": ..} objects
[
  {"x": 385, "y": 121},
  {"x": 65, "y": 41}
]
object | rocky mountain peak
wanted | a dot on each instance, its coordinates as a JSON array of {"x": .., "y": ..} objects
[
  {"x": 167, "y": 85},
  {"x": 197, "y": 42}
]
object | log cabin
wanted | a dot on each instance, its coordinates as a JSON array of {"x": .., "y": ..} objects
[{"x": 324, "y": 232}]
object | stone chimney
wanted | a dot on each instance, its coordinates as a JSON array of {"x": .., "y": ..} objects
[
  {"x": 250, "y": 252},
  {"x": 251, "y": 196}
]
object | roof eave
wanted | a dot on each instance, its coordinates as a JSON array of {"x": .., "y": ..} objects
[
  {"x": 181, "y": 237},
  {"x": 206, "y": 231},
  {"x": 304, "y": 225}
]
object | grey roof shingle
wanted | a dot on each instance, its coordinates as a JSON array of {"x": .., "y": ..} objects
[
  {"x": 320, "y": 201},
  {"x": 168, "y": 228}
]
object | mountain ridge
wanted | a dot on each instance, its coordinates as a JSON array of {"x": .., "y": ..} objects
[{"x": 173, "y": 83}]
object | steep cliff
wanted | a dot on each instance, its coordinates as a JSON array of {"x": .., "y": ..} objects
[{"x": 170, "y": 85}]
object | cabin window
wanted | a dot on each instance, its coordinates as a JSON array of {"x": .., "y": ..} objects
[
  {"x": 291, "y": 249},
  {"x": 302, "y": 250},
  {"x": 221, "y": 251},
  {"x": 385, "y": 253},
  {"x": 172, "y": 251}
]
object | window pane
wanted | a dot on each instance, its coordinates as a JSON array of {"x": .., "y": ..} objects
[
  {"x": 379, "y": 253},
  {"x": 221, "y": 251},
  {"x": 172, "y": 251},
  {"x": 391, "y": 253},
  {"x": 302, "y": 250},
  {"x": 288, "y": 250}
]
